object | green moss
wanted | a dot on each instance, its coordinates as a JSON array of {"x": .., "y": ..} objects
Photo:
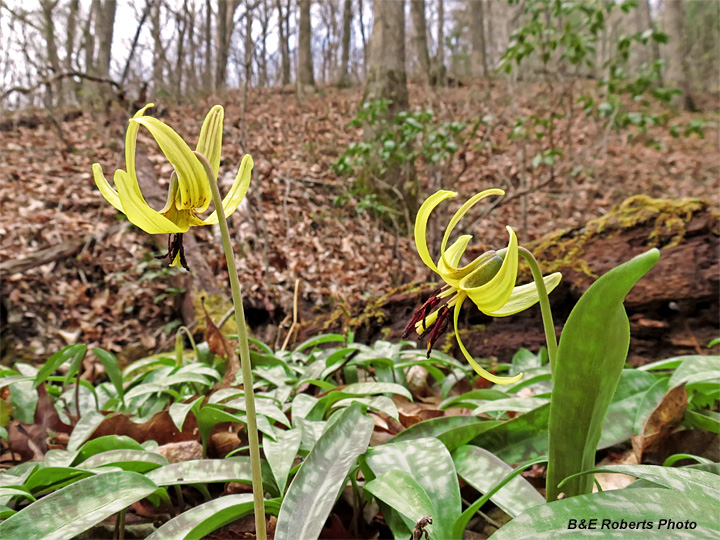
[
  {"x": 216, "y": 305},
  {"x": 667, "y": 220}
]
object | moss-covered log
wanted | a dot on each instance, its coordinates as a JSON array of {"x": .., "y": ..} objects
[{"x": 673, "y": 310}]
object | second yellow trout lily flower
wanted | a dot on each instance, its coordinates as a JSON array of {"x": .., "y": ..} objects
[
  {"x": 488, "y": 281},
  {"x": 189, "y": 192}
]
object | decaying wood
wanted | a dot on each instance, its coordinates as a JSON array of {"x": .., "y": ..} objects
[
  {"x": 55, "y": 253},
  {"x": 672, "y": 310}
]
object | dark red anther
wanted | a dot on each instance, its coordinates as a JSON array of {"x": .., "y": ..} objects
[
  {"x": 439, "y": 328},
  {"x": 422, "y": 313}
]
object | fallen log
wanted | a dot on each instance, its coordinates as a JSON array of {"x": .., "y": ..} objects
[{"x": 673, "y": 310}]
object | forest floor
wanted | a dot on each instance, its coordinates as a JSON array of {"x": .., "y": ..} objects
[{"x": 299, "y": 220}]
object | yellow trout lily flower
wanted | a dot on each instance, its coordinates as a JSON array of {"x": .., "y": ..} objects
[
  {"x": 189, "y": 192},
  {"x": 488, "y": 281}
]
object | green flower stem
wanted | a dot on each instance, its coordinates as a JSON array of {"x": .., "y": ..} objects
[
  {"x": 548, "y": 324},
  {"x": 253, "y": 441}
]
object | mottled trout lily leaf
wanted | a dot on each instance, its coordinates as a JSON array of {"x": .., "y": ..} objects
[
  {"x": 488, "y": 281},
  {"x": 189, "y": 193}
]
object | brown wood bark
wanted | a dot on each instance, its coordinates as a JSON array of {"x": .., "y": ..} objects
[
  {"x": 478, "y": 59},
  {"x": 417, "y": 9},
  {"x": 344, "y": 80},
  {"x": 306, "y": 77}
]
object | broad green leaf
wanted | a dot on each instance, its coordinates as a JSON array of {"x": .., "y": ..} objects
[
  {"x": 525, "y": 437},
  {"x": 430, "y": 464},
  {"x": 650, "y": 400},
  {"x": 377, "y": 403},
  {"x": 515, "y": 404},
  {"x": 590, "y": 359},
  {"x": 14, "y": 492},
  {"x": 701, "y": 369},
  {"x": 84, "y": 429},
  {"x": 438, "y": 427},
  {"x": 400, "y": 491},
  {"x": 680, "y": 479},
  {"x": 319, "y": 340},
  {"x": 110, "y": 363},
  {"x": 104, "y": 444},
  {"x": 199, "y": 471},
  {"x": 200, "y": 521},
  {"x": 46, "y": 479},
  {"x": 69, "y": 512},
  {"x": 302, "y": 404},
  {"x": 281, "y": 454},
  {"x": 705, "y": 419},
  {"x": 470, "y": 400},
  {"x": 647, "y": 509},
  {"x": 483, "y": 470},
  {"x": 58, "y": 359},
  {"x": 16, "y": 476},
  {"x": 371, "y": 388},
  {"x": 322, "y": 476},
  {"x": 140, "y": 461},
  {"x": 179, "y": 411}
]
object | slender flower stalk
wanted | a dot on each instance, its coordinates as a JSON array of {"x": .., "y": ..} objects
[
  {"x": 544, "y": 301},
  {"x": 253, "y": 441}
]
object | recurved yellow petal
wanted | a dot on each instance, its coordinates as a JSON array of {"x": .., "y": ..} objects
[
  {"x": 421, "y": 222},
  {"x": 478, "y": 369},
  {"x": 472, "y": 201},
  {"x": 210, "y": 140},
  {"x": 138, "y": 211},
  {"x": 495, "y": 293},
  {"x": 131, "y": 142},
  {"x": 526, "y": 296},
  {"x": 106, "y": 190},
  {"x": 237, "y": 192},
  {"x": 193, "y": 185}
]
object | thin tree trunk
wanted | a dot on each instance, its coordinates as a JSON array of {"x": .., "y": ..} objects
[
  {"x": 306, "y": 77},
  {"x": 248, "y": 46},
  {"x": 387, "y": 80},
  {"x": 89, "y": 38},
  {"x": 284, "y": 48},
  {"x": 105, "y": 33},
  {"x": 440, "y": 78},
  {"x": 226, "y": 13},
  {"x": 181, "y": 23},
  {"x": 361, "y": 23},
  {"x": 344, "y": 81},
  {"x": 157, "y": 72},
  {"x": 190, "y": 18},
  {"x": 208, "y": 76},
  {"x": 479, "y": 63},
  {"x": 417, "y": 9},
  {"x": 678, "y": 71},
  {"x": 51, "y": 46}
]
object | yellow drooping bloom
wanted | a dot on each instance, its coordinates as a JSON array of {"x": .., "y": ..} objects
[
  {"x": 189, "y": 192},
  {"x": 488, "y": 281}
]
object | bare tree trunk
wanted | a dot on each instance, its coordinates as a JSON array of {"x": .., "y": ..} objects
[
  {"x": 387, "y": 79},
  {"x": 89, "y": 38},
  {"x": 306, "y": 77},
  {"x": 51, "y": 47},
  {"x": 208, "y": 71},
  {"x": 226, "y": 13},
  {"x": 490, "y": 41},
  {"x": 440, "y": 75},
  {"x": 344, "y": 81},
  {"x": 190, "y": 18},
  {"x": 248, "y": 46},
  {"x": 284, "y": 48},
  {"x": 678, "y": 69},
  {"x": 181, "y": 23},
  {"x": 478, "y": 60},
  {"x": 158, "y": 54},
  {"x": 105, "y": 32},
  {"x": 361, "y": 23},
  {"x": 262, "y": 64},
  {"x": 417, "y": 9}
]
